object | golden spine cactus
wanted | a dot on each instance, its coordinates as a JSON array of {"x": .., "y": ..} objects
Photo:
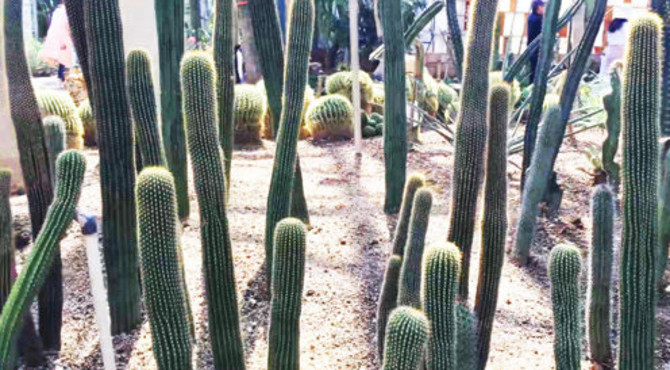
[
  {"x": 341, "y": 83},
  {"x": 330, "y": 117},
  {"x": 88, "y": 122},
  {"x": 248, "y": 112},
  {"x": 60, "y": 103},
  {"x": 406, "y": 337}
]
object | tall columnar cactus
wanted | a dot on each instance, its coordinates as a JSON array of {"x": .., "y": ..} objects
[
  {"x": 6, "y": 245},
  {"x": 330, "y": 116},
  {"x": 54, "y": 139},
  {"x": 470, "y": 140},
  {"x": 600, "y": 276},
  {"x": 664, "y": 214},
  {"x": 546, "y": 55},
  {"x": 33, "y": 155},
  {"x": 170, "y": 25},
  {"x": 663, "y": 9},
  {"x": 415, "y": 182},
  {"x": 494, "y": 223},
  {"x": 224, "y": 58},
  {"x": 455, "y": 33},
  {"x": 143, "y": 104},
  {"x": 441, "y": 270},
  {"x": 639, "y": 179},
  {"x": 409, "y": 290},
  {"x": 538, "y": 177},
  {"x": 198, "y": 79},
  {"x": 117, "y": 162},
  {"x": 161, "y": 276},
  {"x": 77, "y": 22},
  {"x": 612, "y": 104},
  {"x": 406, "y": 337},
  {"x": 564, "y": 269},
  {"x": 61, "y": 104},
  {"x": 300, "y": 31},
  {"x": 288, "y": 279},
  {"x": 466, "y": 338},
  {"x": 395, "y": 130},
  {"x": 70, "y": 169},
  {"x": 388, "y": 299}
]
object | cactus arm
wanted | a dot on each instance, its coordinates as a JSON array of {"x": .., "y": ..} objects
[
  {"x": 470, "y": 138},
  {"x": 388, "y": 299},
  {"x": 224, "y": 57},
  {"x": 400, "y": 236},
  {"x": 406, "y": 337},
  {"x": 70, "y": 174}
]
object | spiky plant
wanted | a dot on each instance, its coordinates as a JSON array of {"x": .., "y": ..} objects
[
  {"x": 406, "y": 337},
  {"x": 224, "y": 58},
  {"x": 330, "y": 117},
  {"x": 54, "y": 139},
  {"x": 88, "y": 122},
  {"x": 60, "y": 103},
  {"x": 248, "y": 114},
  {"x": 388, "y": 299},
  {"x": 612, "y": 104},
  {"x": 415, "y": 182}
]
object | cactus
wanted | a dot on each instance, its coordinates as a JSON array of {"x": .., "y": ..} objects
[
  {"x": 330, "y": 117},
  {"x": 161, "y": 277},
  {"x": 441, "y": 269},
  {"x": 600, "y": 276},
  {"x": 395, "y": 133},
  {"x": 77, "y": 22},
  {"x": 88, "y": 122},
  {"x": 564, "y": 269},
  {"x": 455, "y": 32},
  {"x": 170, "y": 25},
  {"x": 60, "y": 103},
  {"x": 143, "y": 103},
  {"x": 446, "y": 95},
  {"x": 6, "y": 245},
  {"x": 388, "y": 299},
  {"x": 466, "y": 338},
  {"x": 248, "y": 114},
  {"x": 54, "y": 139},
  {"x": 538, "y": 177},
  {"x": 288, "y": 279},
  {"x": 198, "y": 79},
  {"x": 406, "y": 337},
  {"x": 546, "y": 54},
  {"x": 268, "y": 124},
  {"x": 494, "y": 221},
  {"x": 341, "y": 83},
  {"x": 470, "y": 138},
  {"x": 224, "y": 58},
  {"x": 117, "y": 163},
  {"x": 70, "y": 169},
  {"x": 639, "y": 179},
  {"x": 663, "y": 9},
  {"x": 664, "y": 214},
  {"x": 415, "y": 182},
  {"x": 612, "y": 104},
  {"x": 409, "y": 291}
]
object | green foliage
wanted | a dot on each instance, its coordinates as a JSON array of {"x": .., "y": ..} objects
[
  {"x": 330, "y": 117},
  {"x": 60, "y": 103},
  {"x": 70, "y": 169},
  {"x": 612, "y": 104},
  {"x": 248, "y": 114},
  {"x": 441, "y": 269},
  {"x": 341, "y": 83},
  {"x": 388, "y": 299},
  {"x": 639, "y": 179},
  {"x": 406, "y": 337},
  {"x": 288, "y": 279},
  {"x": 198, "y": 79},
  {"x": 409, "y": 292},
  {"x": 564, "y": 268},
  {"x": 159, "y": 262}
]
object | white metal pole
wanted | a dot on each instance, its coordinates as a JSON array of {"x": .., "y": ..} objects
[{"x": 355, "y": 86}]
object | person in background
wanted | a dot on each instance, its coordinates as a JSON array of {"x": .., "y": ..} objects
[
  {"x": 534, "y": 29},
  {"x": 616, "y": 44},
  {"x": 239, "y": 64},
  {"x": 58, "y": 48}
]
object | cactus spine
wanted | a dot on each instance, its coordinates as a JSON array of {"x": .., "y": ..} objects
[
  {"x": 612, "y": 104},
  {"x": 564, "y": 269},
  {"x": 161, "y": 276},
  {"x": 34, "y": 161},
  {"x": 143, "y": 105},
  {"x": 170, "y": 25},
  {"x": 441, "y": 269},
  {"x": 415, "y": 182},
  {"x": 406, "y": 337},
  {"x": 198, "y": 79},
  {"x": 388, "y": 299},
  {"x": 117, "y": 163},
  {"x": 538, "y": 177},
  {"x": 409, "y": 291},
  {"x": 470, "y": 139},
  {"x": 6, "y": 245},
  {"x": 224, "y": 55},
  {"x": 288, "y": 279},
  {"x": 70, "y": 169},
  {"x": 300, "y": 32},
  {"x": 54, "y": 140},
  {"x": 395, "y": 130},
  {"x": 600, "y": 276},
  {"x": 494, "y": 223},
  {"x": 639, "y": 175}
]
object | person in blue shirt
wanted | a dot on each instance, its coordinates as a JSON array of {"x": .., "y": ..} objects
[{"x": 534, "y": 29}]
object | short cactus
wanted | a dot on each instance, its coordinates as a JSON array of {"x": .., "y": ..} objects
[
  {"x": 330, "y": 117},
  {"x": 388, "y": 299},
  {"x": 54, "y": 139},
  {"x": 88, "y": 122},
  {"x": 341, "y": 83},
  {"x": 198, "y": 79},
  {"x": 409, "y": 291},
  {"x": 406, "y": 337},
  {"x": 466, "y": 338},
  {"x": 288, "y": 279},
  {"x": 564, "y": 270},
  {"x": 161, "y": 277},
  {"x": 60, "y": 103},
  {"x": 413, "y": 184},
  {"x": 441, "y": 270},
  {"x": 143, "y": 104},
  {"x": 70, "y": 169},
  {"x": 248, "y": 114},
  {"x": 600, "y": 276}
]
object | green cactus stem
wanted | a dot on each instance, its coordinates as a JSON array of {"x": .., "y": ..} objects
[
  {"x": 388, "y": 299},
  {"x": 54, "y": 139},
  {"x": 406, "y": 337},
  {"x": 288, "y": 279},
  {"x": 60, "y": 103},
  {"x": 224, "y": 58},
  {"x": 77, "y": 22},
  {"x": 664, "y": 213},
  {"x": 415, "y": 182},
  {"x": 455, "y": 32},
  {"x": 466, "y": 338},
  {"x": 612, "y": 104}
]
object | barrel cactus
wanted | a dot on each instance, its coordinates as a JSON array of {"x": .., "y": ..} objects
[
  {"x": 60, "y": 103},
  {"x": 248, "y": 114},
  {"x": 341, "y": 83},
  {"x": 267, "y": 117},
  {"x": 88, "y": 122},
  {"x": 407, "y": 333},
  {"x": 330, "y": 117}
]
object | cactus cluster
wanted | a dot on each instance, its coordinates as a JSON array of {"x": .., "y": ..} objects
[
  {"x": 341, "y": 83},
  {"x": 407, "y": 333},
  {"x": 373, "y": 125},
  {"x": 330, "y": 117},
  {"x": 248, "y": 112},
  {"x": 60, "y": 103}
]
